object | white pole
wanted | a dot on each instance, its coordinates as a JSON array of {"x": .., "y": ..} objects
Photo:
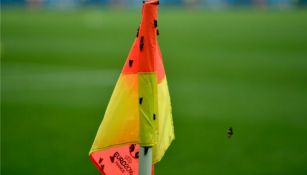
[{"x": 145, "y": 161}]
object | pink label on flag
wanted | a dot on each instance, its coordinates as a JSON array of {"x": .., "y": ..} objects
[{"x": 117, "y": 160}]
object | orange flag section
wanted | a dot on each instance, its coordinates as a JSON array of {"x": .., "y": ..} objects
[{"x": 139, "y": 111}]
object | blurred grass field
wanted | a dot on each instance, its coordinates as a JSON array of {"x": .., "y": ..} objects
[{"x": 241, "y": 68}]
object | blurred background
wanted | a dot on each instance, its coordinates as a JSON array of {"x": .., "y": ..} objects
[
  {"x": 136, "y": 3},
  {"x": 229, "y": 63}
]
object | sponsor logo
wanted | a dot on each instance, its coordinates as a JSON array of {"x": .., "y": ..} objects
[{"x": 122, "y": 163}]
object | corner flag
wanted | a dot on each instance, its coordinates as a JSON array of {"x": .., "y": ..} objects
[{"x": 139, "y": 111}]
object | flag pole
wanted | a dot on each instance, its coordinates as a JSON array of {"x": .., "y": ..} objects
[
  {"x": 145, "y": 160},
  {"x": 145, "y": 155}
]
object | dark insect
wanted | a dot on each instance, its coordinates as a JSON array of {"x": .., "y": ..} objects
[
  {"x": 141, "y": 100},
  {"x": 156, "y": 3},
  {"x": 136, "y": 155},
  {"x": 155, "y": 23},
  {"x": 131, "y": 148},
  {"x": 137, "y": 34},
  {"x": 133, "y": 152},
  {"x": 142, "y": 43},
  {"x": 146, "y": 148},
  {"x": 130, "y": 63},
  {"x": 229, "y": 132},
  {"x": 112, "y": 158},
  {"x": 100, "y": 160}
]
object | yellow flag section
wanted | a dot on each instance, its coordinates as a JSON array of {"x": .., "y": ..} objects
[{"x": 139, "y": 111}]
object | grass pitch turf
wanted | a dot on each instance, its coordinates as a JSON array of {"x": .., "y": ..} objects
[{"x": 242, "y": 68}]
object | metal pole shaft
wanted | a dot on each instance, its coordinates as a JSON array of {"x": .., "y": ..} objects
[{"x": 145, "y": 161}]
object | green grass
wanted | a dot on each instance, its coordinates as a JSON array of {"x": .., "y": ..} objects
[{"x": 243, "y": 68}]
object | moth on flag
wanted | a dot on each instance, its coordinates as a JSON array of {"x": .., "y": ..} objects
[{"x": 139, "y": 111}]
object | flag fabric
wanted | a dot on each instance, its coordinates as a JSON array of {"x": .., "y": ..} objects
[{"x": 139, "y": 111}]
